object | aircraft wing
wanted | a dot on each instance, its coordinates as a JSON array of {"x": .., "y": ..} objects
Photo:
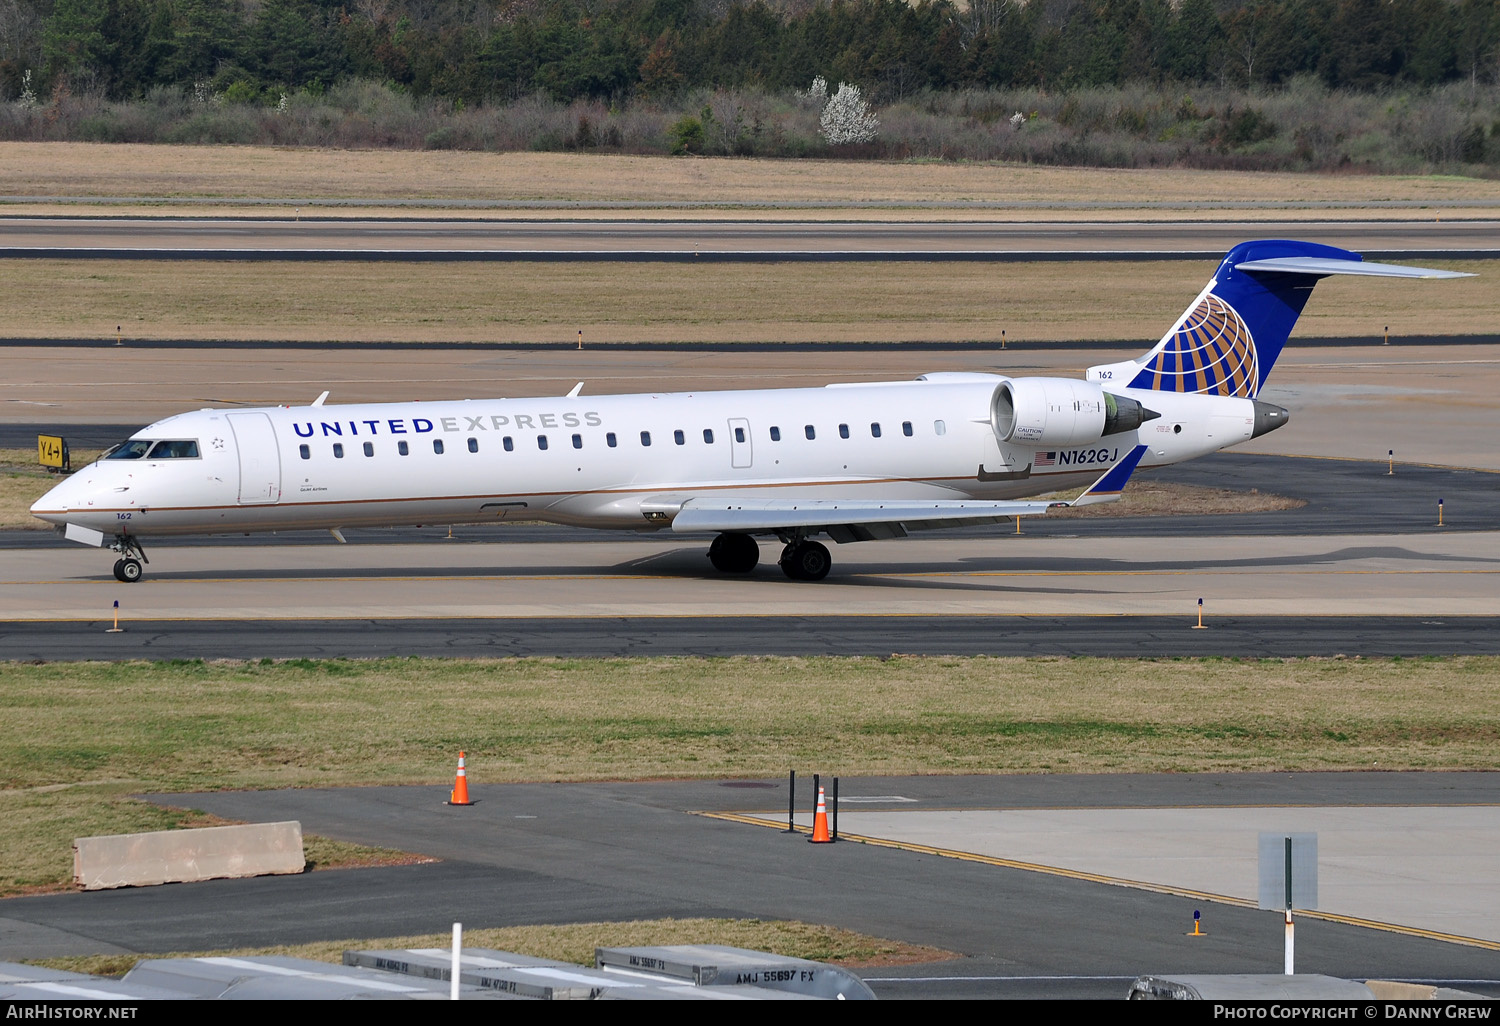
[{"x": 847, "y": 520}]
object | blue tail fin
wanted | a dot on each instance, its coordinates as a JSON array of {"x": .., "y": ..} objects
[{"x": 1228, "y": 340}]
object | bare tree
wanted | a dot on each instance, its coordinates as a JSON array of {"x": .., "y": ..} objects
[
  {"x": 1246, "y": 39},
  {"x": 981, "y": 17},
  {"x": 20, "y": 32}
]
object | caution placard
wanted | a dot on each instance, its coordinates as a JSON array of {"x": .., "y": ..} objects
[{"x": 52, "y": 451}]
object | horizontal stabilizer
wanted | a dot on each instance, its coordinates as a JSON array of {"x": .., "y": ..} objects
[{"x": 1326, "y": 265}]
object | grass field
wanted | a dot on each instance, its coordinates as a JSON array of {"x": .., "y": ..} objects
[
  {"x": 18, "y": 490},
  {"x": 81, "y": 738},
  {"x": 800, "y": 188},
  {"x": 575, "y": 942},
  {"x": 520, "y": 303},
  {"x": 23, "y": 481}
]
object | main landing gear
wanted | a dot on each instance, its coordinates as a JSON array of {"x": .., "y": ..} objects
[
  {"x": 805, "y": 560},
  {"x": 801, "y": 560},
  {"x": 734, "y": 553},
  {"x": 128, "y": 568}
]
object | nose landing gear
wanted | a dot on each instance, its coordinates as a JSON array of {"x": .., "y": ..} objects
[{"x": 128, "y": 568}]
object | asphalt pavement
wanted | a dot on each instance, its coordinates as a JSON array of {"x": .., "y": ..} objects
[
  {"x": 468, "y": 239},
  {"x": 543, "y": 853}
]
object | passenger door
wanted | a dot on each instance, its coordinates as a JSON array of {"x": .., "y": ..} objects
[{"x": 260, "y": 459}]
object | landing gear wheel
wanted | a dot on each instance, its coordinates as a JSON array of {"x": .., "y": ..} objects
[
  {"x": 734, "y": 553},
  {"x": 806, "y": 561},
  {"x": 128, "y": 566}
]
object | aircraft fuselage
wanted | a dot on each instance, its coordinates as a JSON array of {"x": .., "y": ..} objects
[{"x": 596, "y": 461}]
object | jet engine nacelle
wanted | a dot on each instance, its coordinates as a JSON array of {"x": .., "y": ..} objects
[{"x": 1061, "y": 412}]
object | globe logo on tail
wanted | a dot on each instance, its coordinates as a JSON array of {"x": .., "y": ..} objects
[{"x": 1212, "y": 353}]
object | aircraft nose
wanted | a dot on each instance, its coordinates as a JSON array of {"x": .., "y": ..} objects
[{"x": 55, "y": 505}]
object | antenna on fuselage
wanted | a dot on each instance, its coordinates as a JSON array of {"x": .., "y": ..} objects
[
  {"x": 319, "y": 400},
  {"x": 576, "y": 389}
]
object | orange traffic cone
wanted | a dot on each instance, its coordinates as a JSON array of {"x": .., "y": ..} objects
[
  {"x": 820, "y": 823},
  {"x": 460, "y": 793}
]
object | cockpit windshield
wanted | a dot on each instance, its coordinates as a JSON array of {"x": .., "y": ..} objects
[
  {"x": 183, "y": 450},
  {"x": 143, "y": 448},
  {"x": 133, "y": 449}
]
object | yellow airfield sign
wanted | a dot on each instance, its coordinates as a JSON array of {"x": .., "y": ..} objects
[{"x": 52, "y": 451}]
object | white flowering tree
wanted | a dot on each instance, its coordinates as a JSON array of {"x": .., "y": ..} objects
[{"x": 847, "y": 118}]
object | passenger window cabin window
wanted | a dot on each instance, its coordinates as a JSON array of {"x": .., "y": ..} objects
[
  {"x": 403, "y": 448},
  {"x": 473, "y": 445},
  {"x": 739, "y": 434},
  {"x": 437, "y": 446},
  {"x": 679, "y": 437},
  {"x": 541, "y": 442},
  {"x": 578, "y": 441},
  {"x": 775, "y": 434},
  {"x": 906, "y": 428},
  {"x": 843, "y": 430},
  {"x": 811, "y": 434},
  {"x": 708, "y": 436},
  {"x": 338, "y": 450},
  {"x": 509, "y": 443},
  {"x": 369, "y": 448},
  {"x": 609, "y": 439},
  {"x": 939, "y": 428},
  {"x": 304, "y": 452},
  {"x": 645, "y": 438},
  {"x": 875, "y": 430}
]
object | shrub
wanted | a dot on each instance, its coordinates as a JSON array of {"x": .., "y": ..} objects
[
  {"x": 847, "y": 118},
  {"x": 686, "y": 135}
]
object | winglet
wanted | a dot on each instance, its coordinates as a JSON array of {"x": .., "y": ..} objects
[{"x": 1108, "y": 487}]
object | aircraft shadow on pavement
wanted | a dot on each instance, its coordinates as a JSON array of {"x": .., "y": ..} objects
[
  {"x": 693, "y": 565},
  {"x": 1074, "y": 564}
]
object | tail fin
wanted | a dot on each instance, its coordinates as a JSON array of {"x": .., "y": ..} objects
[{"x": 1226, "y": 342}]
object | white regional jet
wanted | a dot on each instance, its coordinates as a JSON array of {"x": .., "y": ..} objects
[{"x": 854, "y": 462}]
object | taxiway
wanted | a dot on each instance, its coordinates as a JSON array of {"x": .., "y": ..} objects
[{"x": 408, "y": 239}]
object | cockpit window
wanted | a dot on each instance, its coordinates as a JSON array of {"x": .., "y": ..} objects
[
  {"x": 134, "y": 449},
  {"x": 183, "y": 450}
]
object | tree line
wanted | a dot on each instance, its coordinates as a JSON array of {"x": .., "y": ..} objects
[{"x": 496, "y": 51}]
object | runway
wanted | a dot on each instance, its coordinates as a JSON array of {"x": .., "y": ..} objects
[
  {"x": 423, "y": 239},
  {"x": 1123, "y": 636},
  {"x": 530, "y": 853}
]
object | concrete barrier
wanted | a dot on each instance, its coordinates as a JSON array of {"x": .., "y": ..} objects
[{"x": 179, "y": 856}]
